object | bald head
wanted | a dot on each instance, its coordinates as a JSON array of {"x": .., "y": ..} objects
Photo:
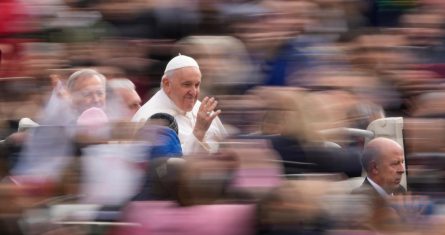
[{"x": 384, "y": 162}]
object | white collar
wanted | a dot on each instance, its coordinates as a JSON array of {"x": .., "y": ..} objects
[
  {"x": 170, "y": 104},
  {"x": 378, "y": 188}
]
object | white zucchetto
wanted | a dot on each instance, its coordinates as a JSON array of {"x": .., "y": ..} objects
[{"x": 181, "y": 61}]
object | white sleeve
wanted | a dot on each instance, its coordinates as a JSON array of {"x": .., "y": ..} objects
[
  {"x": 193, "y": 145},
  {"x": 214, "y": 135}
]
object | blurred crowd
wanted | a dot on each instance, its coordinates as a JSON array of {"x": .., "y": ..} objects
[{"x": 298, "y": 83}]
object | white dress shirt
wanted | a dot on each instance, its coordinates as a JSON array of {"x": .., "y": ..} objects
[{"x": 161, "y": 103}]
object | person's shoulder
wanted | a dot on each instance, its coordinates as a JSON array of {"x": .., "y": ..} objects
[
  {"x": 155, "y": 99},
  {"x": 364, "y": 188},
  {"x": 152, "y": 106},
  {"x": 361, "y": 190}
]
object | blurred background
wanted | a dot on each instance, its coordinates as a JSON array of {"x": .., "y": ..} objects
[{"x": 293, "y": 78}]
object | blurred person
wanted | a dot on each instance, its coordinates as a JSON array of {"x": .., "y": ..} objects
[
  {"x": 338, "y": 17},
  {"x": 127, "y": 95},
  {"x": 49, "y": 147},
  {"x": 293, "y": 209},
  {"x": 360, "y": 116},
  {"x": 124, "y": 159},
  {"x": 192, "y": 180},
  {"x": 137, "y": 60},
  {"x": 155, "y": 19},
  {"x": 379, "y": 52},
  {"x": 198, "y": 123},
  {"x": 164, "y": 119},
  {"x": 293, "y": 120},
  {"x": 206, "y": 180},
  {"x": 161, "y": 180},
  {"x": 428, "y": 105},
  {"x": 414, "y": 82},
  {"x": 38, "y": 57},
  {"x": 275, "y": 35},
  {"x": 161, "y": 130},
  {"x": 86, "y": 89},
  {"x": 424, "y": 31},
  {"x": 224, "y": 62},
  {"x": 382, "y": 13},
  {"x": 16, "y": 21},
  {"x": 376, "y": 55},
  {"x": 14, "y": 17},
  {"x": 363, "y": 86},
  {"x": 11, "y": 146},
  {"x": 127, "y": 158},
  {"x": 242, "y": 113},
  {"x": 327, "y": 110}
]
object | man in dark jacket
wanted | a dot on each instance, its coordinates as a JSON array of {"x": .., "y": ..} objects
[{"x": 384, "y": 163}]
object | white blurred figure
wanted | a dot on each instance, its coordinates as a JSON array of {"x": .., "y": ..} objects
[
  {"x": 125, "y": 96},
  {"x": 50, "y": 147},
  {"x": 112, "y": 172}
]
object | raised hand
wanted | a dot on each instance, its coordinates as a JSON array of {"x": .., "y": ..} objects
[{"x": 205, "y": 117}]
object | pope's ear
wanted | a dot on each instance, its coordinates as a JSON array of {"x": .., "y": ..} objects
[{"x": 166, "y": 83}]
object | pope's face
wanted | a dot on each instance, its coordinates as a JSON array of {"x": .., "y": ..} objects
[
  {"x": 183, "y": 87},
  {"x": 87, "y": 93}
]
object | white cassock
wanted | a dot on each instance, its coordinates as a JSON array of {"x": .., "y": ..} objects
[{"x": 161, "y": 103}]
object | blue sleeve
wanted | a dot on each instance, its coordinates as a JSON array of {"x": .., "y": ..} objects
[{"x": 167, "y": 146}]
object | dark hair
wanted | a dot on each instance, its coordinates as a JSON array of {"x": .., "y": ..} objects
[{"x": 171, "y": 121}]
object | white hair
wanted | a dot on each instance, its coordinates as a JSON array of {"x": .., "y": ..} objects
[
  {"x": 82, "y": 74},
  {"x": 168, "y": 75},
  {"x": 121, "y": 83}
]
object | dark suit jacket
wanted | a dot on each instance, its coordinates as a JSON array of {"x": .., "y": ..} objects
[
  {"x": 379, "y": 201},
  {"x": 366, "y": 188}
]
